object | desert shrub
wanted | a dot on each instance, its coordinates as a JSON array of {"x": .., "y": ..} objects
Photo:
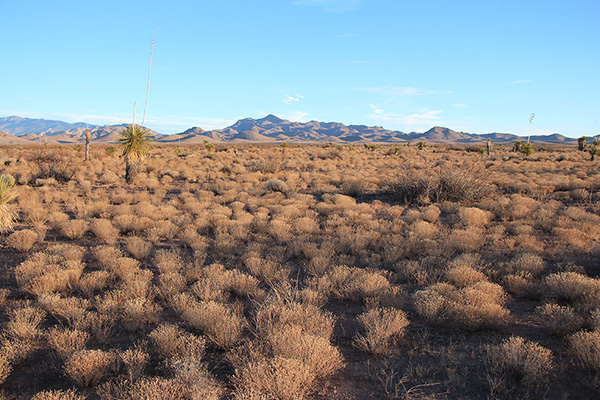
[
  {"x": 478, "y": 306},
  {"x": 356, "y": 283},
  {"x": 93, "y": 282},
  {"x": 277, "y": 378},
  {"x": 172, "y": 342},
  {"x": 22, "y": 240},
  {"x": 585, "y": 347},
  {"x": 139, "y": 313},
  {"x": 138, "y": 247},
  {"x": 382, "y": 328},
  {"x": 560, "y": 320},
  {"x": 449, "y": 184},
  {"x": 66, "y": 341},
  {"x": 314, "y": 351},
  {"x": 52, "y": 164},
  {"x": 6, "y": 366},
  {"x": 89, "y": 367},
  {"x": 196, "y": 381},
  {"x": 74, "y": 229},
  {"x": 66, "y": 309},
  {"x": 7, "y": 194},
  {"x": 473, "y": 216},
  {"x": 135, "y": 361},
  {"x": 58, "y": 395},
  {"x": 574, "y": 287},
  {"x": 276, "y": 185},
  {"x": 222, "y": 325},
  {"x": 519, "y": 363},
  {"x": 526, "y": 263},
  {"x": 272, "y": 315},
  {"x": 143, "y": 389},
  {"x": 168, "y": 261},
  {"x": 104, "y": 230},
  {"x": 464, "y": 275},
  {"x": 23, "y": 325}
]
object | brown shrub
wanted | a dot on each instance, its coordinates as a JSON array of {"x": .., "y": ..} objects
[
  {"x": 89, "y": 367},
  {"x": 23, "y": 325},
  {"x": 519, "y": 362},
  {"x": 221, "y": 324},
  {"x": 172, "y": 342},
  {"x": 22, "y": 240},
  {"x": 58, "y": 395},
  {"x": 74, "y": 229},
  {"x": 137, "y": 247},
  {"x": 560, "y": 320},
  {"x": 104, "y": 230},
  {"x": 383, "y": 327},
  {"x": 585, "y": 347},
  {"x": 66, "y": 341},
  {"x": 135, "y": 361}
]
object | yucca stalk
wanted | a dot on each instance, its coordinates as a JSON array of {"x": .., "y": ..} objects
[
  {"x": 136, "y": 142},
  {"x": 7, "y": 194}
]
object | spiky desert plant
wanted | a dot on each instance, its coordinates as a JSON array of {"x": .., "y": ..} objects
[
  {"x": 136, "y": 142},
  {"x": 88, "y": 137},
  {"x": 581, "y": 142},
  {"x": 7, "y": 194},
  {"x": 595, "y": 149}
]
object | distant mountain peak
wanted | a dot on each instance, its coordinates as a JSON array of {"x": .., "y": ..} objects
[{"x": 271, "y": 118}]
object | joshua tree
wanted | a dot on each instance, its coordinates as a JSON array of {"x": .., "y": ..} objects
[
  {"x": 7, "y": 194},
  {"x": 595, "y": 149},
  {"x": 135, "y": 142},
  {"x": 581, "y": 142},
  {"x": 527, "y": 149},
  {"x": 87, "y": 144},
  {"x": 517, "y": 146}
]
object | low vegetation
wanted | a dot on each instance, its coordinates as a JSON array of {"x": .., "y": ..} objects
[{"x": 299, "y": 272}]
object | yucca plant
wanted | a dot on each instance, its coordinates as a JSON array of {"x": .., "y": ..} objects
[
  {"x": 7, "y": 194},
  {"x": 136, "y": 142}
]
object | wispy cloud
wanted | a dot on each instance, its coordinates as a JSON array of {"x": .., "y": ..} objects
[
  {"x": 400, "y": 91},
  {"x": 293, "y": 99},
  {"x": 522, "y": 81},
  {"x": 414, "y": 121},
  {"x": 330, "y": 5},
  {"x": 459, "y": 105}
]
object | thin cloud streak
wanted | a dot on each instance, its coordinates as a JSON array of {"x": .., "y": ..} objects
[
  {"x": 415, "y": 121},
  {"x": 520, "y": 82}
]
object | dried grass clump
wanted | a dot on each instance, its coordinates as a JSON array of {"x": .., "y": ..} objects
[
  {"x": 473, "y": 216},
  {"x": 574, "y": 287},
  {"x": 585, "y": 347},
  {"x": 454, "y": 184},
  {"x": 383, "y": 327},
  {"x": 23, "y": 325},
  {"x": 74, "y": 229},
  {"x": 276, "y": 378},
  {"x": 560, "y": 320},
  {"x": 172, "y": 342},
  {"x": 137, "y": 247},
  {"x": 58, "y": 395},
  {"x": 104, "y": 230},
  {"x": 143, "y": 389},
  {"x": 135, "y": 361},
  {"x": 310, "y": 318},
  {"x": 22, "y": 240},
  {"x": 7, "y": 194},
  {"x": 223, "y": 325},
  {"x": 89, "y": 367},
  {"x": 479, "y": 306},
  {"x": 356, "y": 283},
  {"x": 66, "y": 341},
  {"x": 518, "y": 363}
]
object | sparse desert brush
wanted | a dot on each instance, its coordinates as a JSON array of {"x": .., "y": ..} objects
[
  {"x": 463, "y": 275},
  {"x": 223, "y": 325},
  {"x": 314, "y": 351},
  {"x": 139, "y": 313},
  {"x": 56, "y": 219},
  {"x": 142, "y": 389},
  {"x": 89, "y": 367},
  {"x": 94, "y": 281},
  {"x": 106, "y": 255},
  {"x": 356, "y": 283},
  {"x": 479, "y": 306},
  {"x": 23, "y": 324},
  {"x": 268, "y": 270},
  {"x": 74, "y": 229},
  {"x": 168, "y": 261},
  {"x": 382, "y": 328},
  {"x": 196, "y": 380},
  {"x": 172, "y": 342},
  {"x": 66, "y": 341},
  {"x": 585, "y": 347},
  {"x": 68, "y": 309},
  {"x": 276, "y": 313},
  {"x": 526, "y": 263},
  {"x": 138, "y": 247},
  {"x": 58, "y": 395},
  {"x": 170, "y": 284},
  {"x": 8, "y": 193},
  {"x": 473, "y": 216},
  {"x": 276, "y": 378},
  {"x": 104, "y": 230},
  {"x": 135, "y": 361},
  {"x": 517, "y": 363},
  {"x": 22, "y": 240},
  {"x": 560, "y": 320},
  {"x": 574, "y": 287}
]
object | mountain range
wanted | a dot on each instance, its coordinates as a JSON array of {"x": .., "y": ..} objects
[{"x": 270, "y": 129}]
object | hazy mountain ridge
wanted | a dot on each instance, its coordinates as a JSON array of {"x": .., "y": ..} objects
[{"x": 249, "y": 130}]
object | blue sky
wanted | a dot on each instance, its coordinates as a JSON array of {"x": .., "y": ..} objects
[{"x": 477, "y": 66}]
